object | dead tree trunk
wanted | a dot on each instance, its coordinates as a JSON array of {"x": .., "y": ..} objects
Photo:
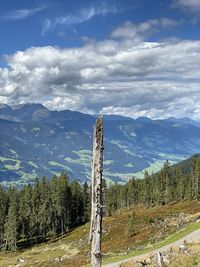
[
  {"x": 159, "y": 259},
  {"x": 97, "y": 213}
]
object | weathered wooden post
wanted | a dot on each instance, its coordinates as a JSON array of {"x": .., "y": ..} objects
[
  {"x": 159, "y": 259},
  {"x": 97, "y": 205}
]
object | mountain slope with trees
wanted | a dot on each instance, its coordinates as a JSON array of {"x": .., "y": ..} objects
[
  {"x": 170, "y": 185},
  {"x": 36, "y": 142},
  {"x": 151, "y": 228},
  {"x": 46, "y": 209},
  {"x": 52, "y": 207}
]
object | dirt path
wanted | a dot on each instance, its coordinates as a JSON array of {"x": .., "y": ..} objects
[{"x": 192, "y": 237}]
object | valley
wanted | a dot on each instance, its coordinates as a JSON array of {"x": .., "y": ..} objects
[
  {"x": 37, "y": 142},
  {"x": 100, "y": 133}
]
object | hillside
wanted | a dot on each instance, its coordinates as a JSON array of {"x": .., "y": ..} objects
[
  {"x": 187, "y": 163},
  {"x": 35, "y": 141},
  {"x": 151, "y": 228},
  {"x": 173, "y": 254}
]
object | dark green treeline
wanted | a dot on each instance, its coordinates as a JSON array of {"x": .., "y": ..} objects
[
  {"x": 52, "y": 207},
  {"x": 45, "y": 209},
  {"x": 170, "y": 185}
]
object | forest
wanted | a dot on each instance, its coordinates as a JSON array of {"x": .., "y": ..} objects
[
  {"x": 170, "y": 185},
  {"x": 49, "y": 208},
  {"x": 45, "y": 209}
]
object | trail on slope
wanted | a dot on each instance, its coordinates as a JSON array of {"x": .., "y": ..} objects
[{"x": 192, "y": 237}]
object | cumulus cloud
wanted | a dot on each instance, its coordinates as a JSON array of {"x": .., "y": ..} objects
[
  {"x": 112, "y": 76},
  {"x": 83, "y": 15},
  {"x": 193, "y": 5},
  {"x": 141, "y": 30},
  {"x": 23, "y": 13},
  {"x": 170, "y": 105}
]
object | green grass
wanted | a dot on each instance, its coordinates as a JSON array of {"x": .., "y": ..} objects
[
  {"x": 185, "y": 260},
  {"x": 6, "y": 159},
  {"x": 178, "y": 235},
  {"x": 170, "y": 239},
  {"x": 108, "y": 162},
  {"x": 85, "y": 156},
  {"x": 25, "y": 178},
  {"x": 53, "y": 163},
  {"x": 153, "y": 168},
  {"x": 32, "y": 164},
  {"x": 123, "y": 147},
  {"x": 129, "y": 165},
  {"x": 15, "y": 167},
  {"x": 115, "y": 240},
  {"x": 83, "y": 152},
  {"x": 172, "y": 157},
  {"x": 12, "y": 167},
  {"x": 73, "y": 161},
  {"x": 14, "y": 153},
  {"x": 124, "y": 176}
]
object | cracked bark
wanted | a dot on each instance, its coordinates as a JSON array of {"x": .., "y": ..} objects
[{"x": 97, "y": 205}]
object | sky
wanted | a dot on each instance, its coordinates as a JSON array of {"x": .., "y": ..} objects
[{"x": 124, "y": 57}]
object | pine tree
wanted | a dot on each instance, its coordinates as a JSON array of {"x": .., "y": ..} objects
[
  {"x": 124, "y": 196},
  {"x": 35, "y": 203},
  {"x": 46, "y": 209},
  {"x": 180, "y": 184},
  {"x": 133, "y": 192},
  {"x": 54, "y": 201},
  {"x": 3, "y": 213},
  {"x": 86, "y": 202},
  {"x": 12, "y": 221},
  {"x": 195, "y": 179},
  {"x": 130, "y": 229},
  {"x": 25, "y": 209},
  {"x": 77, "y": 204},
  {"x": 112, "y": 199},
  {"x": 63, "y": 202},
  {"x": 147, "y": 187}
]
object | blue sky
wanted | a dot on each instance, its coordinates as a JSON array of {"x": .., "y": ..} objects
[
  {"x": 22, "y": 23},
  {"x": 133, "y": 58}
]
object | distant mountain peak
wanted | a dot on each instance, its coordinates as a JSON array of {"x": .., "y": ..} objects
[
  {"x": 29, "y": 105},
  {"x": 143, "y": 119},
  {"x": 3, "y": 106},
  {"x": 115, "y": 117},
  {"x": 185, "y": 120},
  {"x": 36, "y": 141}
]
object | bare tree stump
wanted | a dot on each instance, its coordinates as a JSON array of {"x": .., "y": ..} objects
[
  {"x": 159, "y": 259},
  {"x": 97, "y": 205}
]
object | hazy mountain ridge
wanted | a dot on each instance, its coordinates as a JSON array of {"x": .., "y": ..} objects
[{"x": 37, "y": 141}]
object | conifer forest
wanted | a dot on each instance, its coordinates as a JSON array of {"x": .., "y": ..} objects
[{"x": 50, "y": 208}]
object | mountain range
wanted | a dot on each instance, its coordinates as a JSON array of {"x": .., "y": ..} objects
[{"x": 35, "y": 141}]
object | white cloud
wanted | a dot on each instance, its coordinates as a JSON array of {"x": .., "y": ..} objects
[
  {"x": 168, "y": 23},
  {"x": 112, "y": 76},
  {"x": 190, "y": 8},
  {"x": 193, "y": 5},
  {"x": 47, "y": 25},
  {"x": 178, "y": 107},
  {"x": 23, "y": 13},
  {"x": 141, "y": 30},
  {"x": 83, "y": 15}
]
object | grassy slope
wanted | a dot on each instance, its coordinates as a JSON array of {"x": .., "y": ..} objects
[
  {"x": 188, "y": 260},
  {"x": 148, "y": 234},
  {"x": 178, "y": 259}
]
